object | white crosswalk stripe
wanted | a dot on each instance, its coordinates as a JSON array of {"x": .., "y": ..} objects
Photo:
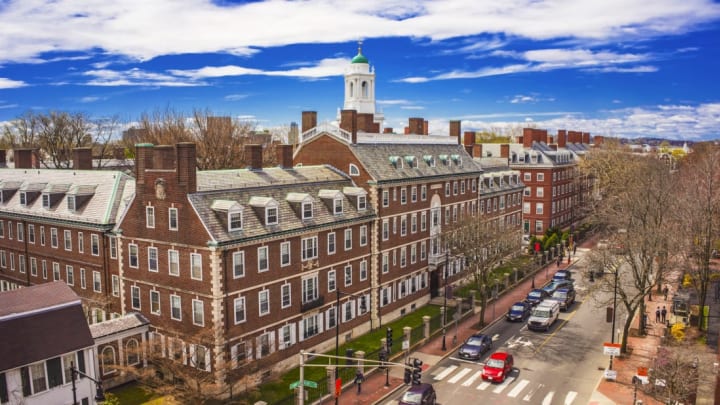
[
  {"x": 518, "y": 388},
  {"x": 445, "y": 373},
  {"x": 503, "y": 385},
  {"x": 570, "y": 397},
  {"x": 472, "y": 379},
  {"x": 529, "y": 395},
  {"x": 457, "y": 377},
  {"x": 483, "y": 386},
  {"x": 548, "y": 398}
]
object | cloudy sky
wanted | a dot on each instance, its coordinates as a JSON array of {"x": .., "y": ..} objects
[{"x": 614, "y": 67}]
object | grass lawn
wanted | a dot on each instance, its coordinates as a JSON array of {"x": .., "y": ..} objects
[{"x": 135, "y": 394}]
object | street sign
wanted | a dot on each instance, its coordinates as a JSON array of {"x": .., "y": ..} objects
[
  {"x": 306, "y": 383},
  {"x": 405, "y": 345},
  {"x": 610, "y": 374},
  {"x": 611, "y": 349}
]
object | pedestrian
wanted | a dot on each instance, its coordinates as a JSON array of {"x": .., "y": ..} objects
[
  {"x": 568, "y": 259},
  {"x": 574, "y": 247},
  {"x": 657, "y": 315},
  {"x": 666, "y": 290},
  {"x": 359, "y": 378},
  {"x": 664, "y": 314},
  {"x": 558, "y": 261}
]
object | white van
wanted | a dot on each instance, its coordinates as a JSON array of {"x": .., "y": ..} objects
[{"x": 544, "y": 315}]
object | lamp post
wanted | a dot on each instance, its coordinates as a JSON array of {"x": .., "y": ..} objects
[
  {"x": 445, "y": 277},
  {"x": 99, "y": 394},
  {"x": 337, "y": 329},
  {"x": 612, "y": 332}
]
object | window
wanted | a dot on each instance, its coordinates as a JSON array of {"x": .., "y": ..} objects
[
  {"x": 115, "y": 286},
  {"x": 385, "y": 263},
  {"x": 175, "y": 311},
  {"x": 69, "y": 275},
  {"x": 526, "y": 208},
  {"x": 95, "y": 245},
  {"x": 539, "y": 208},
  {"x": 331, "y": 243},
  {"x": 83, "y": 285},
  {"x": 107, "y": 360},
  {"x": 238, "y": 264},
  {"x": 462, "y": 187},
  {"x": 331, "y": 317},
  {"x": 262, "y": 258},
  {"x": 239, "y": 306},
  {"x": 385, "y": 230},
  {"x": 153, "y": 259},
  {"x": 285, "y": 254},
  {"x": 538, "y": 226},
  {"x": 133, "y": 255},
  {"x": 354, "y": 171},
  {"x": 423, "y": 192},
  {"x": 133, "y": 352},
  {"x": 287, "y": 336},
  {"x": 413, "y": 193},
  {"x": 423, "y": 251},
  {"x": 173, "y": 219},
  {"x": 527, "y": 191},
  {"x": 33, "y": 267},
  {"x": 42, "y": 235},
  {"x": 155, "y": 302},
  {"x": 67, "y": 238},
  {"x": 540, "y": 177},
  {"x": 423, "y": 221},
  {"x": 20, "y": 232},
  {"x": 455, "y": 187},
  {"x": 198, "y": 313},
  {"x": 285, "y": 293},
  {"x": 97, "y": 282},
  {"x": 2, "y": 229},
  {"x": 56, "y": 271},
  {"x": 332, "y": 281},
  {"x": 311, "y": 326},
  {"x": 113, "y": 246},
  {"x": 135, "y": 297},
  {"x": 307, "y": 210},
  {"x": 413, "y": 253},
  {"x": 21, "y": 263},
  {"x": 150, "y": 217},
  {"x": 337, "y": 206},
  {"x": 235, "y": 220},
  {"x": 403, "y": 225},
  {"x": 10, "y": 229},
  {"x": 173, "y": 262},
  {"x": 386, "y": 198},
  {"x": 348, "y": 310},
  {"x": 310, "y": 289},
  {"x": 264, "y": 302},
  {"x": 363, "y": 235},
  {"x": 195, "y": 266},
  {"x": 361, "y": 203},
  {"x": 348, "y": 275},
  {"x": 447, "y": 189},
  {"x": 540, "y": 192},
  {"x": 403, "y": 256},
  {"x": 403, "y": 195},
  {"x": 309, "y": 248},
  {"x": 271, "y": 216},
  {"x": 348, "y": 239},
  {"x": 413, "y": 223},
  {"x": 363, "y": 270}
]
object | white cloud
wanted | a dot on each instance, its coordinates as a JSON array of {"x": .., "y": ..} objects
[
  {"x": 143, "y": 30},
  {"x": 136, "y": 77},
  {"x": 393, "y": 102},
  {"x": 11, "y": 84},
  {"x": 235, "y": 97},
  {"x": 617, "y": 69},
  {"x": 520, "y": 99},
  {"x": 90, "y": 99},
  {"x": 324, "y": 68},
  {"x": 412, "y": 107},
  {"x": 4, "y": 106}
]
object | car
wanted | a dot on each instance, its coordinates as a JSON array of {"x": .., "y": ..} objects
[
  {"x": 562, "y": 275},
  {"x": 564, "y": 296},
  {"x": 475, "y": 346},
  {"x": 536, "y": 296},
  {"x": 544, "y": 315},
  {"x": 421, "y": 394},
  {"x": 518, "y": 311},
  {"x": 497, "y": 367},
  {"x": 552, "y": 286}
]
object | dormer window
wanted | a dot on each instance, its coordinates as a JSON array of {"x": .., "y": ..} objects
[
  {"x": 411, "y": 161},
  {"x": 77, "y": 196},
  {"x": 271, "y": 215},
  {"x": 396, "y": 162},
  {"x": 267, "y": 209},
  {"x": 362, "y": 203},
  {"x": 23, "y": 199},
  {"x": 337, "y": 206},
  {"x": 307, "y": 210},
  {"x": 357, "y": 196},
  {"x": 444, "y": 159},
  {"x": 430, "y": 160},
  {"x": 70, "y": 203},
  {"x": 235, "y": 220},
  {"x": 45, "y": 199},
  {"x": 354, "y": 171},
  {"x": 233, "y": 213},
  {"x": 457, "y": 159},
  {"x": 302, "y": 204},
  {"x": 333, "y": 200}
]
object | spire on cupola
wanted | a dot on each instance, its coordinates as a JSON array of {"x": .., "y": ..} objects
[{"x": 359, "y": 58}]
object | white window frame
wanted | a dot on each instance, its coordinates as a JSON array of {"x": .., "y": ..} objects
[
  {"x": 239, "y": 304},
  {"x": 332, "y": 281},
  {"x": 263, "y": 252},
  {"x": 153, "y": 251},
  {"x": 232, "y": 220},
  {"x": 238, "y": 264},
  {"x": 363, "y": 235},
  {"x": 285, "y": 254},
  {"x": 150, "y": 217},
  {"x": 263, "y": 301},
  {"x": 95, "y": 245},
  {"x": 97, "y": 281},
  {"x": 196, "y": 265},
  {"x": 174, "y": 262},
  {"x": 67, "y": 240},
  {"x": 133, "y": 255},
  {"x": 135, "y": 294},
  {"x": 347, "y": 275},
  {"x": 173, "y": 219},
  {"x": 347, "y": 239},
  {"x": 285, "y": 296},
  {"x": 198, "y": 304},
  {"x": 155, "y": 302},
  {"x": 309, "y": 248},
  {"x": 175, "y": 299},
  {"x": 331, "y": 243}
]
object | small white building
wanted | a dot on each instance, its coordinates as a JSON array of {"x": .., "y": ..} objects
[{"x": 44, "y": 332}]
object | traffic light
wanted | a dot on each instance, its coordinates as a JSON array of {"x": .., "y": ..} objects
[
  {"x": 408, "y": 376},
  {"x": 388, "y": 338},
  {"x": 383, "y": 358},
  {"x": 416, "y": 371}
]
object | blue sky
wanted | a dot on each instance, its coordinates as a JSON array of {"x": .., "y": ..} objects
[{"x": 627, "y": 68}]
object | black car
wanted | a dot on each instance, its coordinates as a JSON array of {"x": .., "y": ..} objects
[
  {"x": 562, "y": 275},
  {"x": 555, "y": 285},
  {"x": 475, "y": 346},
  {"x": 536, "y": 296},
  {"x": 565, "y": 297},
  {"x": 518, "y": 311},
  {"x": 422, "y": 394}
]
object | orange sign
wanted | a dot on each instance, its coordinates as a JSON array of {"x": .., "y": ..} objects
[
  {"x": 642, "y": 371},
  {"x": 338, "y": 387}
]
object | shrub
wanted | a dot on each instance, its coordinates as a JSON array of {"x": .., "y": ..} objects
[{"x": 678, "y": 331}]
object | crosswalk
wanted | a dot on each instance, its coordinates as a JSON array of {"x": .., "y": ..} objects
[{"x": 513, "y": 386}]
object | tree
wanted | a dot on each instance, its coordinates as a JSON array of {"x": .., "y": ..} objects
[
  {"x": 483, "y": 247},
  {"x": 698, "y": 222},
  {"x": 674, "y": 375},
  {"x": 635, "y": 199}
]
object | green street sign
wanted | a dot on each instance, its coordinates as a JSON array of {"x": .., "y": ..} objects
[{"x": 310, "y": 384}]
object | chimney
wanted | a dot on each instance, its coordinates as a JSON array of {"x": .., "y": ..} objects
[
  {"x": 468, "y": 149},
  {"x": 143, "y": 161},
  {"x": 387, "y": 130},
  {"x": 426, "y": 128},
  {"x": 164, "y": 157},
  {"x": 416, "y": 126},
  {"x": 406, "y": 130},
  {"x": 82, "y": 158},
  {"x": 309, "y": 120},
  {"x": 187, "y": 166},
  {"x": 505, "y": 151},
  {"x": 598, "y": 140},
  {"x": 3, "y": 158},
  {"x": 574, "y": 137},
  {"x": 119, "y": 153},
  {"x": 253, "y": 155},
  {"x": 561, "y": 138},
  {"x": 285, "y": 156},
  {"x": 455, "y": 130},
  {"x": 586, "y": 138},
  {"x": 468, "y": 137},
  {"x": 542, "y": 135},
  {"x": 527, "y": 137},
  {"x": 477, "y": 150},
  {"x": 349, "y": 122},
  {"x": 23, "y": 158},
  {"x": 365, "y": 122}
]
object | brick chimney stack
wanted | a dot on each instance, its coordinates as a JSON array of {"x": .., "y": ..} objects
[
  {"x": 586, "y": 138},
  {"x": 387, "y": 130},
  {"x": 416, "y": 126},
  {"x": 309, "y": 120},
  {"x": 468, "y": 137},
  {"x": 561, "y": 138},
  {"x": 253, "y": 156},
  {"x": 3, "y": 158},
  {"x": 285, "y": 156},
  {"x": 82, "y": 158},
  {"x": 164, "y": 157},
  {"x": 456, "y": 130},
  {"x": 527, "y": 137},
  {"x": 349, "y": 122},
  {"x": 426, "y": 127},
  {"x": 477, "y": 150},
  {"x": 598, "y": 140},
  {"x": 505, "y": 150},
  {"x": 187, "y": 166},
  {"x": 23, "y": 158},
  {"x": 143, "y": 162}
]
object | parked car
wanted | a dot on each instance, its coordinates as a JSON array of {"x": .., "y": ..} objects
[
  {"x": 475, "y": 346},
  {"x": 518, "y": 311},
  {"x": 544, "y": 315},
  {"x": 421, "y": 394},
  {"x": 562, "y": 275},
  {"x": 555, "y": 285},
  {"x": 565, "y": 297},
  {"x": 536, "y": 296},
  {"x": 497, "y": 367}
]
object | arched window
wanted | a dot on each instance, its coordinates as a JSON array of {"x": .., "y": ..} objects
[
  {"x": 108, "y": 360},
  {"x": 365, "y": 90},
  {"x": 133, "y": 352},
  {"x": 352, "y": 89},
  {"x": 354, "y": 171}
]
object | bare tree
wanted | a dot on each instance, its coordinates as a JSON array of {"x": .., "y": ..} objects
[
  {"x": 698, "y": 222},
  {"x": 674, "y": 376},
  {"x": 483, "y": 248}
]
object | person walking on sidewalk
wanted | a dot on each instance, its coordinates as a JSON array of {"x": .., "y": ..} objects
[
  {"x": 359, "y": 378},
  {"x": 665, "y": 291},
  {"x": 663, "y": 313},
  {"x": 657, "y": 315}
]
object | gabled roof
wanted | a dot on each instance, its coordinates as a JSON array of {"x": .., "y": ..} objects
[{"x": 118, "y": 325}]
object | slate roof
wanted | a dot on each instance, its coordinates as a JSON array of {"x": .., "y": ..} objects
[
  {"x": 377, "y": 159},
  {"x": 276, "y": 184},
  {"x": 41, "y": 322},
  {"x": 106, "y": 189},
  {"x": 118, "y": 325}
]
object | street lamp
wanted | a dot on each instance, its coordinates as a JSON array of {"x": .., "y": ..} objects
[
  {"x": 99, "y": 394},
  {"x": 612, "y": 332},
  {"x": 337, "y": 329},
  {"x": 445, "y": 277}
]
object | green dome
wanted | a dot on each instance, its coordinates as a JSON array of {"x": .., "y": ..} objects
[{"x": 359, "y": 58}]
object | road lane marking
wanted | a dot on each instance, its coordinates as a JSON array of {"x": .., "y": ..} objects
[
  {"x": 459, "y": 375},
  {"x": 570, "y": 397},
  {"x": 516, "y": 391},
  {"x": 532, "y": 392},
  {"x": 445, "y": 373},
  {"x": 472, "y": 379},
  {"x": 547, "y": 339},
  {"x": 548, "y": 398},
  {"x": 504, "y": 385},
  {"x": 483, "y": 386}
]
